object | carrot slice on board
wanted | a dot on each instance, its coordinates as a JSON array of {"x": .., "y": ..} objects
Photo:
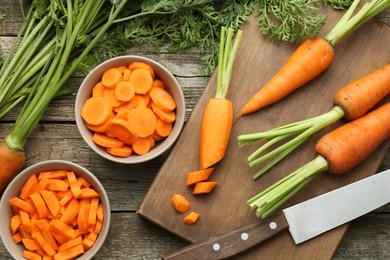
[
  {"x": 198, "y": 176},
  {"x": 180, "y": 203},
  {"x": 191, "y": 218},
  {"x": 204, "y": 187}
]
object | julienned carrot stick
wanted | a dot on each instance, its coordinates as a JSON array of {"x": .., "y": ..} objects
[
  {"x": 351, "y": 102},
  {"x": 311, "y": 58},
  {"x": 338, "y": 152},
  {"x": 218, "y": 115}
]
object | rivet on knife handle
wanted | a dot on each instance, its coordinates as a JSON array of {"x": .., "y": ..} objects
[{"x": 233, "y": 242}]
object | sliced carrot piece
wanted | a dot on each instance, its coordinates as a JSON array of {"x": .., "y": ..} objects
[
  {"x": 163, "y": 128},
  {"x": 87, "y": 243},
  {"x": 126, "y": 75},
  {"x": 71, "y": 243},
  {"x": 29, "y": 187},
  {"x": 66, "y": 198},
  {"x": 30, "y": 255},
  {"x": 51, "y": 201},
  {"x": 37, "y": 236},
  {"x": 42, "y": 184},
  {"x": 198, "y": 176},
  {"x": 57, "y": 185},
  {"x": 128, "y": 105},
  {"x": 102, "y": 128},
  {"x": 122, "y": 114},
  {"x": 124, "y": 91},
  {"x": 100, "y": 214},
  {"x": 98, "y": 89},
  {"x": 70, "y": 253},
  {"x": 106, "y": 141},
  {"x": 191, "y": 218},
  {"x": 83, "y": 182},
  {"x": 204, "y": 187},
  {"x": 96, "y": 110},
  {"x": 71, "y": 211},
  {"x": 124, "y": 151},
  {"x": 121, "y": 130},
  {"x": 17, "y": 238},
  {"x": 73, "y": 184},
  {"x": 142, "y": 80},
  {"x": 139, "y": 64},
  {"x": 122, "y": 68},
  {"x": 59, "y": 174},
  {"x": 180, "y": 203},
  {"x": 142, "y": 121},
  {"x": 111, "y": 77},
  {"x": 92, "y": 214},
  {"x": 109, "y": 94},
  {"x": 15, "y": 223},
  {"x": 88, "y": 193},
  {"x": 158, "y": 84},
  {"x": 162, "y": 99},
  {"x": 63, "y": 229},
  {"x": 26, "y": 221},
  {"x": 39, "y": 204},
  {"x": 168, "y": 117},
  {"x": 21, "y": 204},
  {"x": 141, "y": 145},
  {"x": 82, "y": 217}
]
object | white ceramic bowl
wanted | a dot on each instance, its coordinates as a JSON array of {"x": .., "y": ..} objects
[
  {"x": 161, "y": 73},
  {"x": 13, "y": 190}
]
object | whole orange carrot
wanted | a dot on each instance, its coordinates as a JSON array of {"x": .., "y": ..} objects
[
  {"x": 218, "y": 115},
  {"x": 351, "y": 102},
  {"x": 311, "y": 58},
  {"x": 338, "y": 152}
]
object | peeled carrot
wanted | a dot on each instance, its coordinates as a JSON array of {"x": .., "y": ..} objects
[
  {"x": 198, "y": 176},
  {"x": 204, "y": 187},
  {"x": 168, "y": 117},
  {"x": 124, "y": 151},
  {"x": 40, "y": 205},
  {"x": 180, "y": 203},
  {"x": 163, "y": 100},
  {"x": 218, "y": 115},
  {"x": 106, "y": 141},
  {"x": 98, "y": 89},
  {"x": 337, "y": 152},
  {"x": 163, "y": 128},
  {"x": 141, "y": 145},
  {"x": 191, "y": 218},
  {"x": 158, "y": 84},
  {"x": 29, "y": 187}
]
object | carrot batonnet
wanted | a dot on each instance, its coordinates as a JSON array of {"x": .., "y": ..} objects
[
  {"x": 122, "y": 110},
  {"x": 351, "y": 101},
  {"x": 50, "y": 230},
  {"x": 337, "y": 152}
]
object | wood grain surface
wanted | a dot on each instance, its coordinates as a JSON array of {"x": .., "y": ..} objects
[
  {"x": 225, "y": 209},
  {"x": 132, "y": 236}
]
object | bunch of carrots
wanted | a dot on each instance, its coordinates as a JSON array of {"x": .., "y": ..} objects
[
  {"x": 337, "y": 152},
  {"x": 311, "y": 58},
  {"x": 351, "y": 102},
  {"x": 129, "y": 110},
  {"x": 58, "y": 215},
  {"x": 216, "y": 124}
]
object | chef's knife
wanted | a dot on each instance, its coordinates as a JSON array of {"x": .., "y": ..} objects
[{"x": 304, "y": 220}]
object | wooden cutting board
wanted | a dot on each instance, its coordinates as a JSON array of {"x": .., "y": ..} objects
[{"x": 225, "y": 208}]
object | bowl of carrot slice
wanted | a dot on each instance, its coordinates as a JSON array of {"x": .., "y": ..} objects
[
  {"x": 55, "y": 209},
  {"x": 130, "y": 109}
]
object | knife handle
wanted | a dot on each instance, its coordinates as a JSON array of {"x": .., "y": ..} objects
[{"x": 232, "y": 242}]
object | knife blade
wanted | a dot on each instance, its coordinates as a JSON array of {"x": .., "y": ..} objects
[{"x": 304, "y": 220}]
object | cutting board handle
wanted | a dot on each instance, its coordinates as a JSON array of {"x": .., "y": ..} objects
[{"x": 233, "y": 242}]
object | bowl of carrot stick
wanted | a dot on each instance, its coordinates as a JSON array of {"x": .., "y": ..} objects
[
  {"x": 55, "y": 209},
  {"x": 130, "y": 109}
]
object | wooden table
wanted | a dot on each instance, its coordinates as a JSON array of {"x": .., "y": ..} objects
[{"x": 131, "y": 236}]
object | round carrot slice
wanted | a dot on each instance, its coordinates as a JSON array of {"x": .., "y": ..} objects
[
  {"x": 162, "y": 99},
  {"x": 124, "y": 91},
  {"x": 142, "y": 121},
  {"x": 96, "y": 110},
  {"x": 142, "y": 80},
  {"x": 141, "y": 146},
  {"x": 111, "y": 77}
]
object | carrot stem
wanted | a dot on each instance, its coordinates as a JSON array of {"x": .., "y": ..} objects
[
  {"x": 303, "y": 129},
  {"x": 346, "y": 25},
  {"x": 273, "y": 197}
]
